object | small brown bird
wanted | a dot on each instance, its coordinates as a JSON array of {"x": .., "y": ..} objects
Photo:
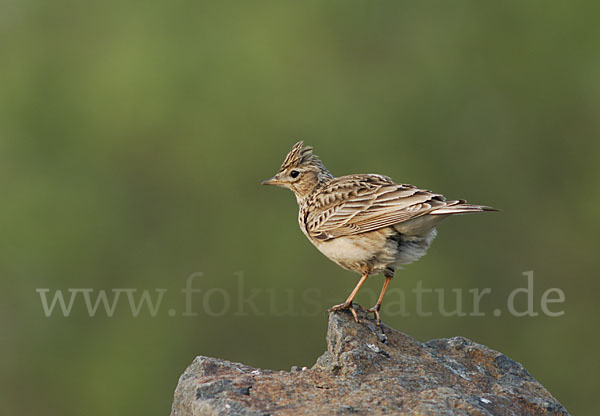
[{"x": 365, "y": 223}]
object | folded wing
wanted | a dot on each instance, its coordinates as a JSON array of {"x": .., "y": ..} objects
[{"x": 361, "y": 203}]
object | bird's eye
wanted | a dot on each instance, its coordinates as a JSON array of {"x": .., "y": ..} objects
[{"x": 294, "y": 174}]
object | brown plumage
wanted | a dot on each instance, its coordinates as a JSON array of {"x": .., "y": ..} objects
[{"x": 365, "y": 223}]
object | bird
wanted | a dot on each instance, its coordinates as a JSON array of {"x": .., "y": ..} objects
[{"x": 366, "y": 223}]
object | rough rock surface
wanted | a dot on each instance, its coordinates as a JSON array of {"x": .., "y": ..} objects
[{"x": 369, "y": 370}]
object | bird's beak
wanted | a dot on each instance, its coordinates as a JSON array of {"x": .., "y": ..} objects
[{"x": 271, "y": 181}]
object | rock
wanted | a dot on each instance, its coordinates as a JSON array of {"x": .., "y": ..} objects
[{"x": 369, "y": 370}]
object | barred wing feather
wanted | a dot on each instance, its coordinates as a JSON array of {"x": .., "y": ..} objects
[{"x": 361, "y": 203}]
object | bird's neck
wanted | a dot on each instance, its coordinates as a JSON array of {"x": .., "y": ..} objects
[{"x": 306, "y": 193}]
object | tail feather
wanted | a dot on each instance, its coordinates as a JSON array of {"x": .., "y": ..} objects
[{"x": 461, "y": 207}]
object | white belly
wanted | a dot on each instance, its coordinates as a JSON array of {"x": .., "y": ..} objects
[
  {"x": 370, "y": 251},
  {"x": 346, "y": 250},
  {"x": 374, "y": 252}
]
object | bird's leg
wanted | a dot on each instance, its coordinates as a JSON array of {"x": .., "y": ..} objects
[
  {"x": 348, "y": 303},
  {"x": 375, "y": 309}
]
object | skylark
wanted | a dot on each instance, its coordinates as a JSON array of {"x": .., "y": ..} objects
[{"x": 365, "y": 223}]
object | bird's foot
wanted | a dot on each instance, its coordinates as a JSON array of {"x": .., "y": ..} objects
[
  {"x": 344, "y": 306},
  {"x": 375, "y": 310}
]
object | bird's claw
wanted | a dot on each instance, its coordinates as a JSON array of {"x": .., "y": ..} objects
[
  {"x": 342, "y": 307},
  {"x": 375, "y": 311}
]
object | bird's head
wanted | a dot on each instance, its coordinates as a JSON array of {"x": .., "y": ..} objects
[{"x": 301, "y": 171}]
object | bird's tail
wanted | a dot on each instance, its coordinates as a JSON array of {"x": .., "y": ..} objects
[{"x": 461, "y": 207}]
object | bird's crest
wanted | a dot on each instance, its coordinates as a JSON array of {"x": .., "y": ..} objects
[{"x": 300, "y": 155}]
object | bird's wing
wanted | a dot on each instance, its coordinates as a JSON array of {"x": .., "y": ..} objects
[{"x": 357, "y": 204}]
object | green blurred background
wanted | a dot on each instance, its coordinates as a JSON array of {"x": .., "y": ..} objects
[{"x": 134, "y": 136}]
